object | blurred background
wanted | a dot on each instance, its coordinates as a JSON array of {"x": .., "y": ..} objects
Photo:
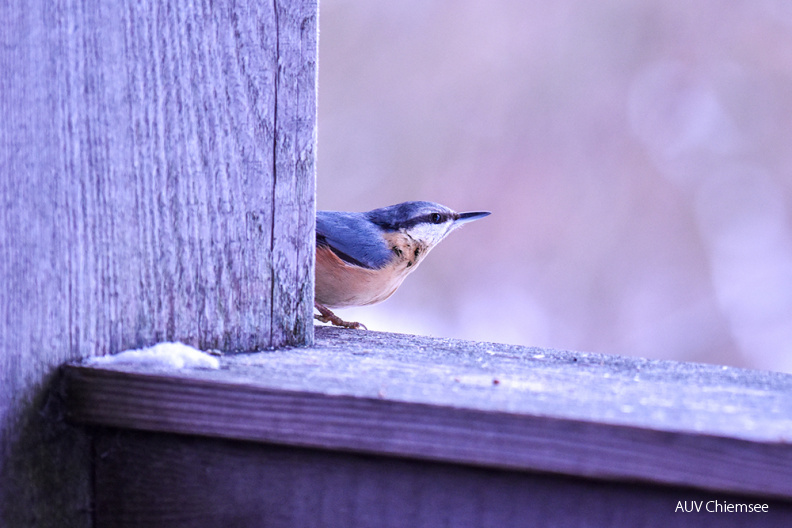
[{"x": 636, "y": 156}]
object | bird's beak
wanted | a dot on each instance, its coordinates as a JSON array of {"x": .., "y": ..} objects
[{"x": 469, "y": 217}]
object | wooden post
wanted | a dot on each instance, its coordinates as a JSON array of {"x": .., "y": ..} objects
[{"x": 157, "y": 183}]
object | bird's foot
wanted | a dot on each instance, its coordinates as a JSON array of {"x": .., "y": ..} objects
[{"x": 329, "y": 317}]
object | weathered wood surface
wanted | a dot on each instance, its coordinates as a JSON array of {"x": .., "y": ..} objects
[
  {"x": 499, "y": 406},
  {"x": 153, "y": 479},
  {"x": 156, "y": 183}
]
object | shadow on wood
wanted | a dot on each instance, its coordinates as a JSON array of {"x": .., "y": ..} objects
[{"x": 147, "y": 479}]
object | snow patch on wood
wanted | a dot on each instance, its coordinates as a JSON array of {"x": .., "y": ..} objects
[{"x": 163, "y": 355}]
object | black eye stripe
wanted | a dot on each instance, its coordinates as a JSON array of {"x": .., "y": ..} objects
[{"x": 429, "y": 218}]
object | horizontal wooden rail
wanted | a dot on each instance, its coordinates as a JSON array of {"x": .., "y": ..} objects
[{"x": 482, "y": 404}]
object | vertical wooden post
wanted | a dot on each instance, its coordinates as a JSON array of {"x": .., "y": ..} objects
[{"x": 156, "y": 183}]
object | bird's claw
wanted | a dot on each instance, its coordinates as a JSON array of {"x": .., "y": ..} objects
[{"x": 327, "y": 316}]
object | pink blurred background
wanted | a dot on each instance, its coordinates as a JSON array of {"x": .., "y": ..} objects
[{"x": 636, "y": 156}]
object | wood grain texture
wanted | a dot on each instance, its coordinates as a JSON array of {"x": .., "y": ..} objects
[
  {"x": 150, "y": 479},
  {"x": 140, "y": 151},
  {"x": 584, "y": 415},
  {"x": 294, "y": 187}
]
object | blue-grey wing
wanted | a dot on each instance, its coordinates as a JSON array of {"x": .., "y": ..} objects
[{"x": 353, "y": 238}]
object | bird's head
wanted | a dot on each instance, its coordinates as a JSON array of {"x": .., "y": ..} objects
[{"x": 426, "y": 222}]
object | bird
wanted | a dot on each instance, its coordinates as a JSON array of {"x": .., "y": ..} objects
[{"x": 363, "y": 257}]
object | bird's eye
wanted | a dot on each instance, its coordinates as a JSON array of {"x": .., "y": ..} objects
[{"x": 436, "y": 218}]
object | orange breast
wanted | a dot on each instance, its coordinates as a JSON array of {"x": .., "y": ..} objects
[{"x": 339, "y": 284}]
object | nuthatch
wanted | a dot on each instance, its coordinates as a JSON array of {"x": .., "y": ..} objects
[{"x": 362, "y": 258}]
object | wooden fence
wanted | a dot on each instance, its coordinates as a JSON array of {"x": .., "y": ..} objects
[{"x": 157, "y": 183}]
